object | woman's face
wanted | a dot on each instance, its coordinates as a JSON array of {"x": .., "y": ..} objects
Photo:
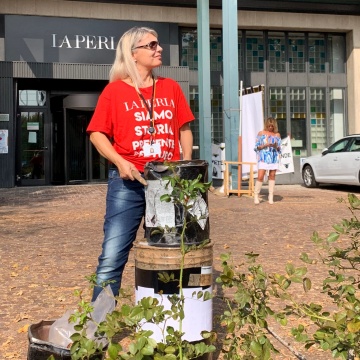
[
  {"x": 148, "y": 52},
  {"x": 270, "y": 127}
]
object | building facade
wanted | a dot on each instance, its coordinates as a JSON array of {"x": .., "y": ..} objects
[{"x": 55, "y": 57}]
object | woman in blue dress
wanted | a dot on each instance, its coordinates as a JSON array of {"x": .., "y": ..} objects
[{"x": 268, "y": 149}]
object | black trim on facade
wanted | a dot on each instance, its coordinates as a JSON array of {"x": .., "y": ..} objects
[
  {"x": 339, "y": 7},
  {"x": 2, "y": 26}
]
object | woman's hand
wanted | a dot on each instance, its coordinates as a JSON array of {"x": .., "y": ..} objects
[
  {"x": 126, "y": 169},
  {"x": 261, "y": 147}
]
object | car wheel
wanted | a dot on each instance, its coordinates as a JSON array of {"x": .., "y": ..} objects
[{"x": 308, "y": 177}]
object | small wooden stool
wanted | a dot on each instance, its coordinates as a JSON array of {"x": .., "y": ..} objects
[{"x": 239, "y": 191}]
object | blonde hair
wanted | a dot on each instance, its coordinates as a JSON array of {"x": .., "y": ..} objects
[
  {"x": 124, "y": 65},
  {"x": 273, "y": 121}
]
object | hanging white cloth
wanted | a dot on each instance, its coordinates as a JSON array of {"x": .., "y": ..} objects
[{"x": 252, "y": 121}]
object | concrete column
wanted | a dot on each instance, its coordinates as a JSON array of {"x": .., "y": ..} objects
[
  {"x": 231, "y": 79},
  {"x": 353, "y": 79},
  {"x": 204, "y": 81}
]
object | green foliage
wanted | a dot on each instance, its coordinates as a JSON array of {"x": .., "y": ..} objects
[
  {"x": 335, "y": 329},
  {"x": 250, "y": 294},
  {"x": 128, "y": 318},
  {"x": 247, "y": 309},
  {"x": 338, "y": 331},
  {"x": 183, "y": 192}
]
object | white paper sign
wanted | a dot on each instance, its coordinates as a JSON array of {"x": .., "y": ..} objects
[
  {"x": 200, "y": 210},
  {"x": 286, "y": 159},
  {"x": 4, "y": 117},
  {"x": 32, "y": 126},
  {"x": 32, "y": 137},
  {"x": 217, "y": 159},
  {"x": 198, "y": 318},
  {"x": 158, "y": 213},
  {"x": 4, "y": 149}
]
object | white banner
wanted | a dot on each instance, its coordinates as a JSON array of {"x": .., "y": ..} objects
[
  {"x": 252, "y": 121},
  {"x": 286, "y": 160}
]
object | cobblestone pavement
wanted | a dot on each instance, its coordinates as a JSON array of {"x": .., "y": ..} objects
[{"x": 50, "y": 239}]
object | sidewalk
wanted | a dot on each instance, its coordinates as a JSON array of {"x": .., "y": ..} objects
[{"x": 50, "y": 239}]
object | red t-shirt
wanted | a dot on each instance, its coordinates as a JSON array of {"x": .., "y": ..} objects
[{"x": 122, "y": 116}]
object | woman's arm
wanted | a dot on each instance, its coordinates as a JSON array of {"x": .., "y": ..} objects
[
  {"x": 186, "y": 141},
  {"x": 278, "y": 148},
  {"x": 259, "y": 144}
]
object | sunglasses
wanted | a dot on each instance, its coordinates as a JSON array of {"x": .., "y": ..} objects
[{"x": 152, "y": 45}]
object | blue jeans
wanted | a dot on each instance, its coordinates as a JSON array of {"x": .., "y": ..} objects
[{"x": 125, "y": 208}]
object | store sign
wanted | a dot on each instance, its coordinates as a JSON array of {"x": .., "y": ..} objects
[
  {"x": 70, "y": 40},
  {"x": 83, "y": 41}
]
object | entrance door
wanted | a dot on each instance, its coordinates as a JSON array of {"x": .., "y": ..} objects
[
  {"x": 83, "y": 162},
  {"x": 34, "y": 147}
]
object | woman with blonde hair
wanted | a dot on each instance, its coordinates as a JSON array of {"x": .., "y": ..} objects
[
  {"x": 139, "y": 118},
  {"x": 268, "y": 149}
]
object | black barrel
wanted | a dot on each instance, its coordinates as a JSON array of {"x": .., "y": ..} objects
[{"x": 164, "y": 221}]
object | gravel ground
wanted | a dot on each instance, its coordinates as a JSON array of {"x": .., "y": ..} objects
[{"x": 51, "y": 237}]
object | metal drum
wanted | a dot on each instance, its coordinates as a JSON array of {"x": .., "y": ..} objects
[
  {"x": 164, "y": 221},
  {"x": 197, "y": 276}
]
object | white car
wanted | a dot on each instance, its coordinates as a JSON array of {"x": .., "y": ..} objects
[{"x": 338, "y": 164}]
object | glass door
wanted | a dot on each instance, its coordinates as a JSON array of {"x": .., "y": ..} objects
[
  {"x": 34, "y": 148},
  {"x": 83, "y": 162},
  {"x": 77, "y": 145}
]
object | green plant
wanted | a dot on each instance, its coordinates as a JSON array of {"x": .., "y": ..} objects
[
  {"x": 247, "y": 309},
  {"x": 253, "y": 300},
  {"x": 338, "y": 330},
  {"x": 184, "y": 193},
  {"x": 250, "y": 292},
  {"x": 128, "y": 318}
]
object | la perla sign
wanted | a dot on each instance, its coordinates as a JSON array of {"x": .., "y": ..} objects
[
  {"x": 83, "y": 42},
  {"x": 44, "y": 39}
]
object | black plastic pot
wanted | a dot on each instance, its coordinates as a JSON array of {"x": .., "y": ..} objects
[
  {"x": 40, "y": 349},
  {"x": 154, "y": 174}
]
